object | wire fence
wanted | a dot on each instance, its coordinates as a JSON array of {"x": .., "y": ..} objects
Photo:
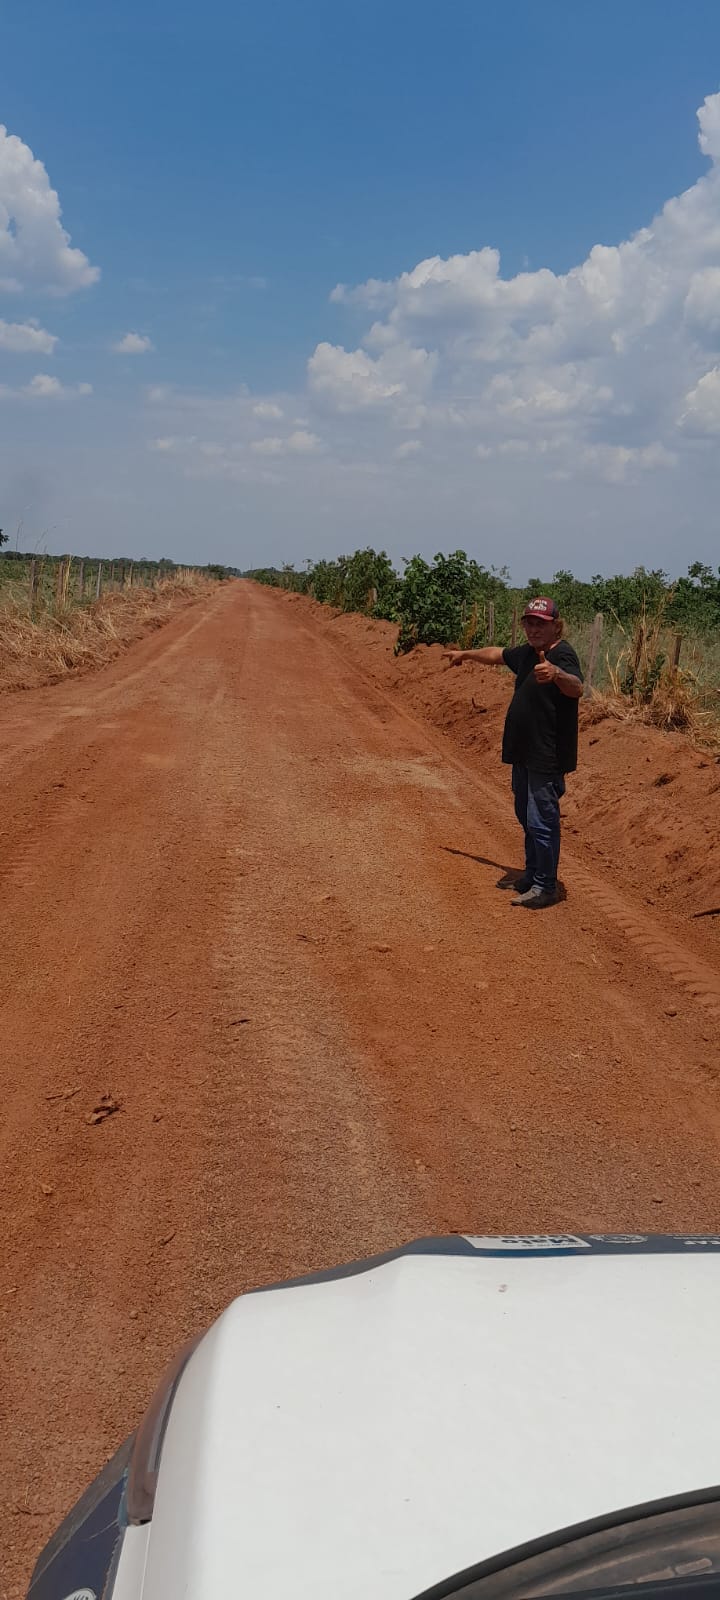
[{"x": 52, "y": 583}]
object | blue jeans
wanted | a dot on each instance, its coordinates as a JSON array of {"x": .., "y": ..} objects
[{"x": 537, "y": 808}]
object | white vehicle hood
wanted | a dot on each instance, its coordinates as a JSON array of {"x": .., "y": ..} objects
[{"x": 370, "y": 1435}]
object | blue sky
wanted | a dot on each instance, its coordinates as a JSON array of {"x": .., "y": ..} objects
[{"x": 226, "y": 168}]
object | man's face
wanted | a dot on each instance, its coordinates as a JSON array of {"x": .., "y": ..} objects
[{"x": 541, "y": 632}]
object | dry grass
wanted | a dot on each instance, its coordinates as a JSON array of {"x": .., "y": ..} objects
[
  {"x": 469, "y": 629},
  {"x": 700, "y": 652},
  {"x": 677, "y": 702},
  {"x": 644, "y": 685},
  {"x": 645, "y": 673},
  {"x": 56, "y": 641},
  {"x": 671, "y": 708}
]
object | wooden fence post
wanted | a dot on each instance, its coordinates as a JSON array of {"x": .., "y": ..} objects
[
  {"x": 639, "y": 647},
  {"x": 595, "y": 638},
  {"x": 676, "y": 651},
  {"x": 112, "y": 572},
  {"x": 32, "y": 586},
  {"x": 59, "y": 580},
  {"x": 130, "y": 576},
  {"x": 98, "y": 581},
  {"x": 491, "y": 621},
  {"x": 81, "y": 580},
  {"x": 513, "y": 629}
]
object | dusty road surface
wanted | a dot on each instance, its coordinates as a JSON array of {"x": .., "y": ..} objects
[{"x": 252, "y": 901}]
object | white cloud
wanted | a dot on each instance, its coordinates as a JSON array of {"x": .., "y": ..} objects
[
  {"x": 26, "y": 338},
  {"x": 571, "y": 413},
  {"x": 133, "y": 344},
  {"x": 618, "y": 463},
  {"x": 373, "y": 293},
  {"x": 701, "y": 412},
  {"x": 709, "y": 119},
  {"x": 504, "y": 447},
  {"x": 300, "y": 443},
  {"x": 272, "y": 446},
  {"x": 702, "y": 301},
  {"x": 164, "y": 446},
  {"x": 267, "y": 411},
  {"x": 598, "y": 309},
  {"x": 303, "y": 443},
  {"x": 565, "y": 459},
  {"x": 35, "y": 250},
  {"x": 587, "y": 373},
  {"x": 352, "y": 380},
  {"x": 45, "y": 387},
  {"x": 555, "y": 392}
]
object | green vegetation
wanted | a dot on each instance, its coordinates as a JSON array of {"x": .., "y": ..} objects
[
  {"x": 365, "y": 581},
  {"x": 454, "y": 597}
]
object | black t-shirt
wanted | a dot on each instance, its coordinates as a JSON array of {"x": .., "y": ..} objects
[{"x": 541, "y": 726}]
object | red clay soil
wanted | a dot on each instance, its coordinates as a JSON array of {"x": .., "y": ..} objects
[
  {"x": 250, "y": 909},
  {"x": 644, "y": 805}
]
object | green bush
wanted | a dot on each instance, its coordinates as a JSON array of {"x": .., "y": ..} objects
[
  {"x": 442, "y": 601},
  {"x": 446, "y": 600}
]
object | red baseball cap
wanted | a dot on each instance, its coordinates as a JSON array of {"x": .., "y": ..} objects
[{"x": 543, "y": 608}]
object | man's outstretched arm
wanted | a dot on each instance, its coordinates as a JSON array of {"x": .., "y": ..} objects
[{"x": 489, "y": 656}]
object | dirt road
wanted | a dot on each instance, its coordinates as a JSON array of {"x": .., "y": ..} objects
[{"x": 252, "y": 900}]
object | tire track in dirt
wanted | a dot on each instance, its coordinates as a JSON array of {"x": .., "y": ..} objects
[
  {"x": 285, "y": 1048},
  {"x": 64, "y": 803},
  {"x": 698, "y": 979},
  {"x": 267, "y": 837},
  {"x": 297, "y": 1116}
]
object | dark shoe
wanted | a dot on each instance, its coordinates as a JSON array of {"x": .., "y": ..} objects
[
  {"x": 510, "y": 881},
  {"x": 536, "y": 899}
]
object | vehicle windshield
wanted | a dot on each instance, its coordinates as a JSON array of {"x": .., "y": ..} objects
[{"x": 669, "y": 1550}]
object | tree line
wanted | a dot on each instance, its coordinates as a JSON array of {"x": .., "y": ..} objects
[
  {"x": 164, "y": 566},
  {"x": 453, "y": 596}
]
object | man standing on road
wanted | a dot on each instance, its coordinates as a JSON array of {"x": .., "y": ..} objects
[{"x": 539, "y": 741}]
